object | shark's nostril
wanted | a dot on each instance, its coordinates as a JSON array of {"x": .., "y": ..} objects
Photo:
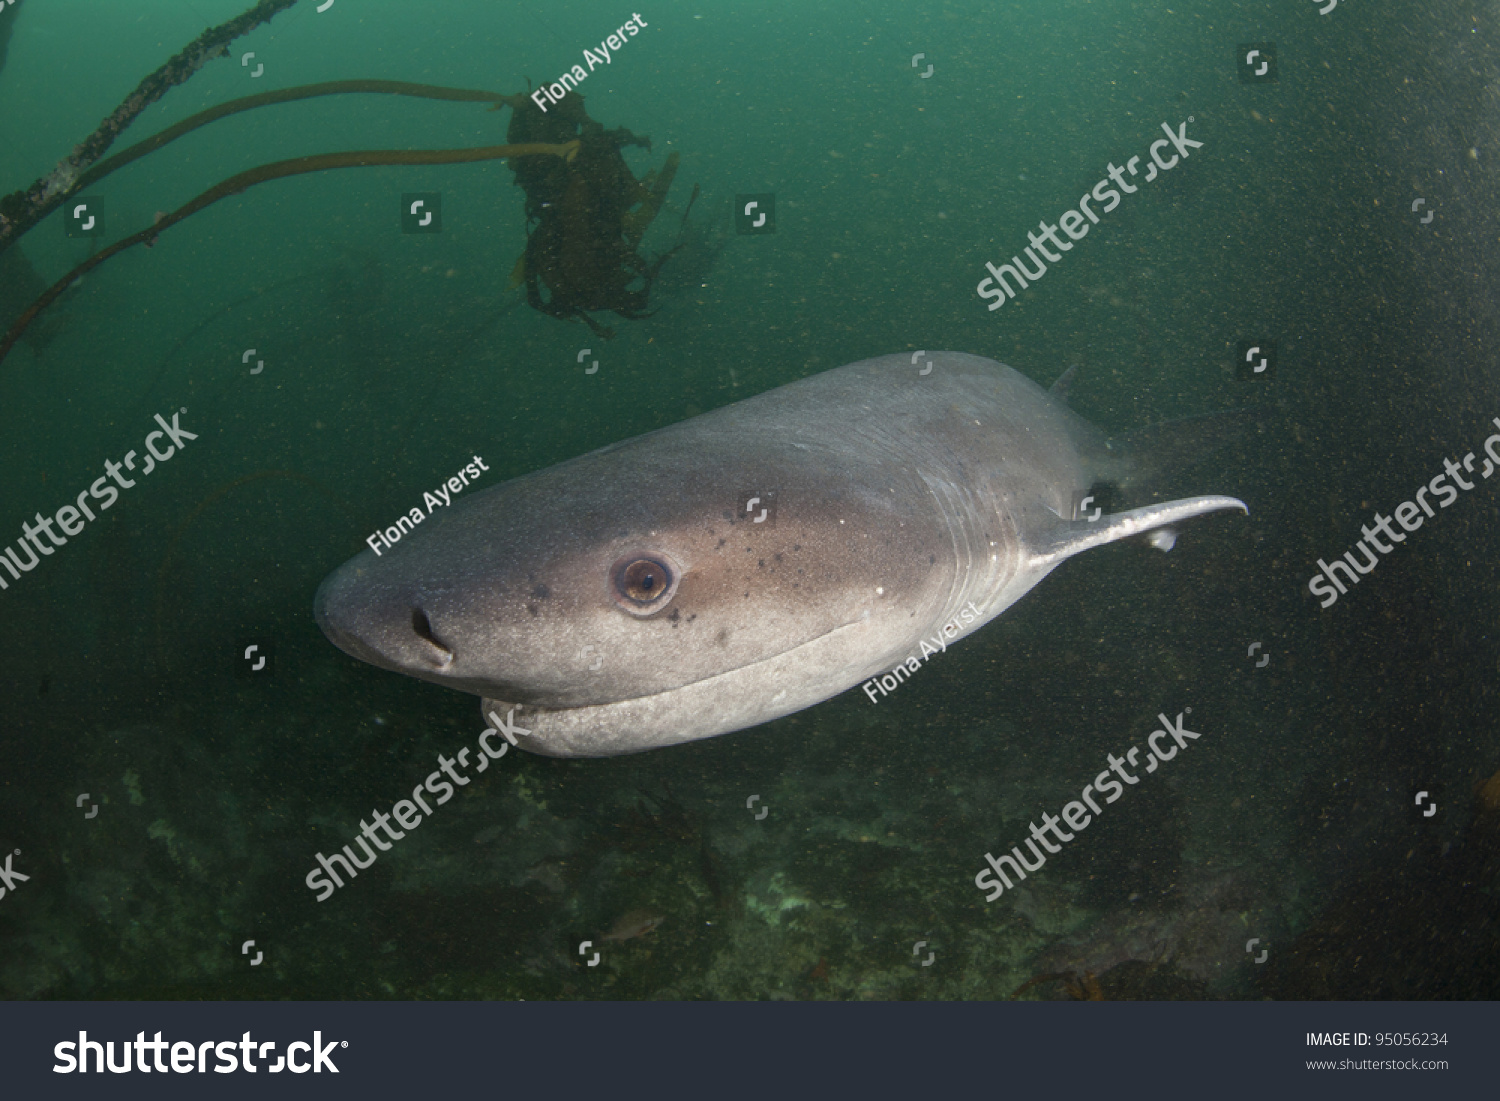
[{"x": 423, "y": 629}]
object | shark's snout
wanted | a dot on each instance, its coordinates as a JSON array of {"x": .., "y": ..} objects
[{"x": 392, "y": 629}]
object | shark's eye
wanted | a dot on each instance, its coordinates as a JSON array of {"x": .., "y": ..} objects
[{"x": 643, "y": 584}]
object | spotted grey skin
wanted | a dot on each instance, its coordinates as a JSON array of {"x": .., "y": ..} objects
[{"x": 627, "y": 599}]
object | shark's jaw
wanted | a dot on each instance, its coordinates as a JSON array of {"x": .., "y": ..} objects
[{"x": 749, "y": 695}]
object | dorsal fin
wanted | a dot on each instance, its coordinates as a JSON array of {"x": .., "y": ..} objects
[
  {"x": 1060, "y": 387},
  {"x": 1065, "y": 538}
]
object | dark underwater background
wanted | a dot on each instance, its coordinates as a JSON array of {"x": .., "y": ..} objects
[{"x": 390, "y": 359}]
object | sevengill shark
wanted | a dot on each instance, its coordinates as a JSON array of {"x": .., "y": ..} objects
[{"x": 747, "y": 563}]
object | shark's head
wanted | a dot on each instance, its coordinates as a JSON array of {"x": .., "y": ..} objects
[{"x": 630, "y": 598}]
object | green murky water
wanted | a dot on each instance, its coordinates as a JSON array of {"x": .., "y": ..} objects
[{"x": 333, "y": 367}]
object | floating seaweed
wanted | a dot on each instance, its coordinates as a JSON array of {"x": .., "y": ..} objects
[
  {"x": 21, "y": 210},
  {"x": 585, "y": 216},
  {"x": 5, "y": 29},
  {"x": 586, "y": 211},
  {"x": 296, "y": 166}
]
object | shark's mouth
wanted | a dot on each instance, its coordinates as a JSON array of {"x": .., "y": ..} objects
[
  {"x": 536, "y": 701},
  {"x": 747, "y": 695}
]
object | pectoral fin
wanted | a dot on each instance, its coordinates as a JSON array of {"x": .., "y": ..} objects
[{"x": 1064, "y": 538}]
